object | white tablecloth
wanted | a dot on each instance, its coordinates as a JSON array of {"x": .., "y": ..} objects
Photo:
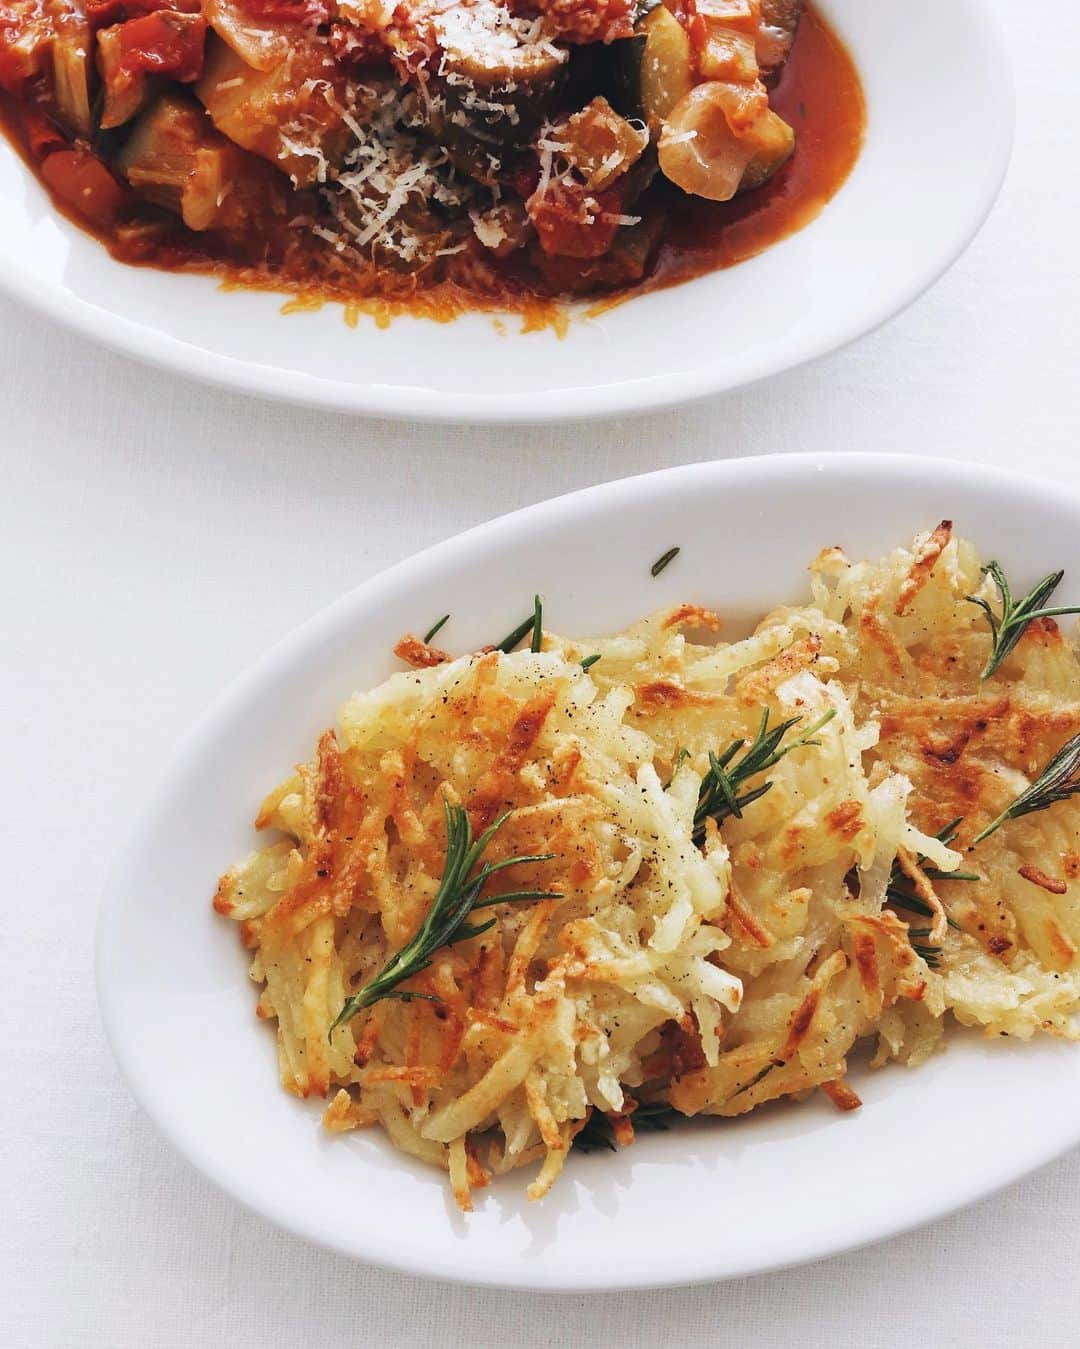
[{"x": 155, "y": 536}]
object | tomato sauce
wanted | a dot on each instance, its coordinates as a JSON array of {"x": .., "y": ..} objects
[{"x": 819, "y": 94}]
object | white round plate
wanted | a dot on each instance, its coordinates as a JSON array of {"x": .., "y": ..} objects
[
  {"x": 940, "y": 130},
  {"x": 711, "y": 1199}
]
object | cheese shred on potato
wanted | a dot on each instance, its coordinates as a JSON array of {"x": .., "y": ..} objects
[{"x": 707, "y": 974}]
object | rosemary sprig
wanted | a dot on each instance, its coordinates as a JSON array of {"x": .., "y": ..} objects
[
  {"x": 596, "y": 1133},
  {"x": 758, "y": 1077},
  {"x": 1059, "y": 780},
  {"x": 899, "y": 891},
  {"x": 663, "y": 560},
  {"x": 719, "y": 796},
  {"x": 433, "y": 631},
  {"x": 458, "y": 894},
  {"x": 599, "y": 1132},
  {"x": 533, "y": 624},
  {"x": 1010, "y": 626},
  {"x": 930, "y": 953},
  {"x": 680, "y": 758}
]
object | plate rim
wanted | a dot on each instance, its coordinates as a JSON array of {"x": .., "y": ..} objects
[
  {"x": 886, "y": 1224},
  {"x": 646, "y": 394}
]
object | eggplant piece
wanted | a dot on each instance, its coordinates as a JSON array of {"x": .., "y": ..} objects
[
  {"x": 479, "y": 126},
  {"x": 644, "y": 76},
  {"x": 492, "y": 89},
  {"x": 666, "y": 74},
  {"x": 619, "y": 76},
  {"x": 776, "y": 35},
  {"x": 175, "y": 159},
  {"x": 124, "y": 95},
  {"x": 778, "y": 145},
  {"x": 106, "y": 142},
  {"x": 135, "y": 56},
  {"x": 260, "y": 109},
  {"x": 619, "y": 79},
  {"x": 260, "y": 43},
  {"x": 72, "y": 75},
  {"x": 624, "y": 264},
  {"x": 161, "y": 159}
]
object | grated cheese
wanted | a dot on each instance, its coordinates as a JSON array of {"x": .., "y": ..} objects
[
  {"x": 486, "y": 34},
  {"x": 302, "y": 150},
  {"x": 487, "y": 229},
  {"x": 679, "y": 137},
  {"x": 388, "y": 168}
]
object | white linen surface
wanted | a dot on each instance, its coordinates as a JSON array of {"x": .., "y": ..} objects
[{"x": 155, "y": 536}]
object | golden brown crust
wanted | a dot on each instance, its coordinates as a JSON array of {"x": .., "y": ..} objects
[
  {"x": 693, "y": 616},
  {"x": 419, "y": 654},
  {"x": 841, "y": 1095},
  {"x": 756, "y": 688},
  {"x": 668, "y": 695},
  {"x": 925, "y": 561},
  {"x": 1038, "y": 877}
]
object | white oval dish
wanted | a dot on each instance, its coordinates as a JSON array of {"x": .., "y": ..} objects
[
  {"x": 940, "y": 129},
  {"x": 711, "y": 1200}
]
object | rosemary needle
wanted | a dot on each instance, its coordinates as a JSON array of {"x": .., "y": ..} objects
[
  {"x": 538, "y": 624},
  {"x": 931, "y": 954},
  {"x": 1059, "y": 780},
  {"x": 533, "y": 624},
  {"x": 598, "y": 1131},
  {"x": 900, "y": 892},
  {"x": 719, "y": 795},
  {"x": 512, "y": 638},
  {"x": 662, "y": 561},
  {"x": 680, "y": 758},
  {"x": 432, "y": 632},
  {"x": 458, "y": 894},
  {"x": 759, "y": 1076},
  {"x": 1008, "y": 627}
]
